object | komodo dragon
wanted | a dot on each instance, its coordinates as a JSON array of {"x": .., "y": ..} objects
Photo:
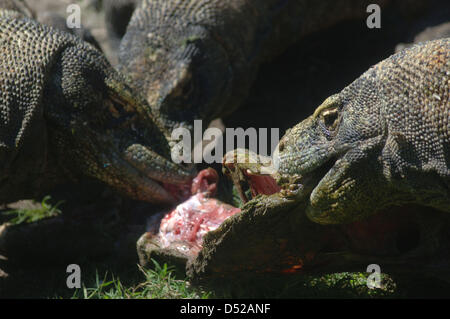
[
  {"x": 197, "y": 59},
  {"x": 384, "y": 140},
  {"x": 65, "y": 112}
]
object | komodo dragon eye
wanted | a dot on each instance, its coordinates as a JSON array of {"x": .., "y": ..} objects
[{"x": 329, "y": 120}]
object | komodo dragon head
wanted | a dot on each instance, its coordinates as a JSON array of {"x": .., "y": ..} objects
[
  {"x": 67, "y": 112},
  {"x": 381, "y": 141}
]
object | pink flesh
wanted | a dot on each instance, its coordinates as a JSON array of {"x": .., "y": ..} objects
[
  {"x": 265, "y": 185},
  {"x": 205, "y": 182},
  {"x": 192, "y": 219}
]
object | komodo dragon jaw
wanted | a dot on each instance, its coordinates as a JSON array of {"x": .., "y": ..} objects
[{"x": 103, "y": 129}]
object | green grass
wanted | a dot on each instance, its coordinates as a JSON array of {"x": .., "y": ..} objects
[
  {"x": 158, "y": 283},
  {"x": 100, "y": 281},
  {"x": 45, "y": 210}
]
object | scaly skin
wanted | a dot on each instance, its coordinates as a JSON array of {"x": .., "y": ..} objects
[
  {"x": 384, "y": 140},
  {"x": 49, "y": 18},
  {"x": 65, "y": 112},
  {"x": 197, "y": 59}
]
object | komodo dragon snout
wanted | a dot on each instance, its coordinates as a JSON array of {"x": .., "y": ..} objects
[
  {"x": 75, "y": 115},
  {"x": 103, "y": 126}
]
